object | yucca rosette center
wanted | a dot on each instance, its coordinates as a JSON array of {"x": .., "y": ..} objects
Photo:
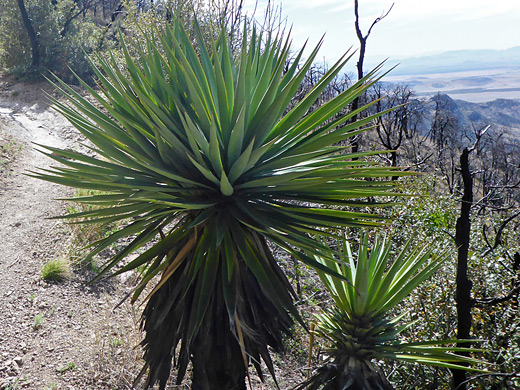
[{"x": 356, "y": 337}]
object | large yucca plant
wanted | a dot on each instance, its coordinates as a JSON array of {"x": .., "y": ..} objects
[
  {"x": 360, "y": 328},
  {"x": 204, "y": 166}
]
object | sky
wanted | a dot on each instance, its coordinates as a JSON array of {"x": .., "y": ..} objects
[{"x": 412, "y": 28}]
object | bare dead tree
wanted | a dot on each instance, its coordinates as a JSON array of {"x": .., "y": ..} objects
[
  {"x": 445, "y": 133},
  {"x": 392, "y": 127},
  {"x": 463, "y": 298},
  {"x": 363, "y": 38},
  {"x": 359, "y": 65},
  {"x": 464, "y": 284}
]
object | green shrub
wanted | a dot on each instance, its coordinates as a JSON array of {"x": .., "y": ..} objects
[
  {"x": 59, "y": 47},
  {"x": 38, "y": 321},
  {"x": 55, "y": 270}
]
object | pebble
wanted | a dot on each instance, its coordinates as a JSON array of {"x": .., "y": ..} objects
[{"x": 18, "y": 360}]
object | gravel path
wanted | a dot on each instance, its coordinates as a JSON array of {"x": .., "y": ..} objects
[
  {"x": 61, "y": 336},
  {"x": 52, "y": 336}
]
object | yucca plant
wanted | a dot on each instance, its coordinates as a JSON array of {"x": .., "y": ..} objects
[
  {"x": 204, "y": 165},
  {"x": 360, "y": 328}
]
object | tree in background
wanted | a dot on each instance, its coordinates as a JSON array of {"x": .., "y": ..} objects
[
  {"x": 361, "y": 59},
  {"x": 35, "y": 49},
  {"x": 447, "y": 136},
  {"x": 37, "y": 35},
  {"x": 393, "y": 127}
]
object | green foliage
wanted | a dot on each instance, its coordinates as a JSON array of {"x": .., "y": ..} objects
[
  {"x": 83, "y": 235},
  {"x": 55, "y": 270},
  {"x": 115, "y": 342},
  {"x": 8, "y": 150},
  {"x": 38, "y": 321},
  {"x": 67, "y": 367},
  {"x": 52, "y": 386},
  {"x": 199, "y": 155},
  {"x": 63, "y": 38},
  {"x": 428, "y": 213},
  {"x": 13, "y": 40},
  {"x": 360, "y": 327}
]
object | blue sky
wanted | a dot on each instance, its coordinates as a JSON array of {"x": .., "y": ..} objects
[{"x": 413, "y": 27}]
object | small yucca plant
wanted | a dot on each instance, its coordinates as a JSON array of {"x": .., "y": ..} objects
[
  {"x": 360, "y": 328},
  {"x": 200, "y": 158}
]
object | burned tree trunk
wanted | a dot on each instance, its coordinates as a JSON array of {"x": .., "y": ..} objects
[
  {"x": 359, "y": 65},
  {"x": 464, "y": 284}
]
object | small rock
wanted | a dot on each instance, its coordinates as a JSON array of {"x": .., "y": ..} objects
[
  {"x": 18, "y": 360},
  {"x": 13, "y": 370}
]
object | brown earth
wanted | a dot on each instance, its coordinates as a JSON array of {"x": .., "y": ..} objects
[{"x": 53, "y": 336}]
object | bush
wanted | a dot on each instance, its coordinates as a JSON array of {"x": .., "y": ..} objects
[
  {"x": 55, "y": 270},
  {"x": 63, "y": 41}
]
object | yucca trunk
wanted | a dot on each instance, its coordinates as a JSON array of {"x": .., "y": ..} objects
[
  {"x": 347, "y": 374},
  {"x": 215, "y": 354},
  {"x": 216, "y": 359},
  {"x": 361, "y": 375},
  {"x": 239, "y": 322}
]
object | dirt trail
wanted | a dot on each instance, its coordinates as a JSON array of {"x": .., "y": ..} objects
[
  {"x": 81, "y": 342},
  {"x": 64, "y": 336}
]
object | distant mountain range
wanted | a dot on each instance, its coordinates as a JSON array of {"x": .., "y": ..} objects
[
  {"x": 500, "y": 114},
  {"x": 472, "y": 75},
  {"x": 458, "y": 61}
]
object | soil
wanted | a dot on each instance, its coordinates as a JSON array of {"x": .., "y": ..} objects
[
  {"x": 65, "y": 335},
  {"x": 53, "y": 336}
]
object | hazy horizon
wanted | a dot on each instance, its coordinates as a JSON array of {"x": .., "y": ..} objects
[{"x": 411, "y": 29}]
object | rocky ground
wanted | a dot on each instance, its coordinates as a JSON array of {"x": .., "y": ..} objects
[
  {"x": 53, "y": 336},
  {"x": 65, "y": 335}
]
